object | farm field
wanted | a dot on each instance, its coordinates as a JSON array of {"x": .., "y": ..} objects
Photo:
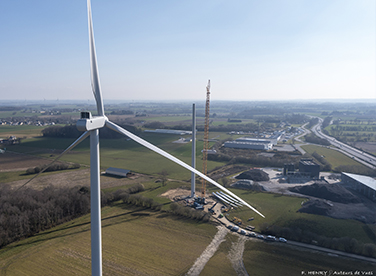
[
  {"x": 20, "y": 131},
  {"x": 135, "y": 242},
  {"x": 140, "y": 242},
  {"x": 120, "y": 153}
]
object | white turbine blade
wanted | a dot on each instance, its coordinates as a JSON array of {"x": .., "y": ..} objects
[
  {"x": 95, "y": 84},
  {"x": 146, "y": 144},
  {"x": 75, "y": 143}
]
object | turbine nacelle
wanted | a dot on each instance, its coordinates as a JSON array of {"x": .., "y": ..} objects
[{"x": 88, "y": 122}]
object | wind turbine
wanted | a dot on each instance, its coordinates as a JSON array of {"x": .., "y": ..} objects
[{"x": 91, "y": 125}]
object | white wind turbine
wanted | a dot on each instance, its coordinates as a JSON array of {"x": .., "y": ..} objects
[{"x": 91, "y": 125}]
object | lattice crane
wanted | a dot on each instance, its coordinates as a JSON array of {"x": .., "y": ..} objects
[{"x": 206, "y": 141}]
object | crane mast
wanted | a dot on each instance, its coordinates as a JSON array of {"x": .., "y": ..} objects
[{"x": 206, "y": 141}]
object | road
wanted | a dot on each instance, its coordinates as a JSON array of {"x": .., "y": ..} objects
[{"x": 358, "y": 155}]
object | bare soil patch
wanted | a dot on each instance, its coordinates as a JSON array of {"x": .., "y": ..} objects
[
  {"x": 201, "y": 261},
  {"x": 176, "y": 194},
  {"x": 236, "y": 256},
  {"x": 10, "y": 161},
  {"x": 366, "y": 146}
]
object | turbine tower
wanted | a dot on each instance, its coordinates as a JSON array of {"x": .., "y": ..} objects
[
  {"x": 91, "y": 125},
  {"x": 193, "y": 176},
  {"x": 206, "y": 142}
]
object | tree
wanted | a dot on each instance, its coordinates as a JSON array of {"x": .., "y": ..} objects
[
  {"x": 224, "y": 181},
  {"x": 163, "y": 175}
]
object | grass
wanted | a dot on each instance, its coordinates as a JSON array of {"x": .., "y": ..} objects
[
  {"x": 20, "y": 131},
  {"x": 13, "y": 176},
  {"x": 282, "y": 211},
  {"x": 142, "y": 242},
  {"x": 335, "y": 158},
  {"x": 135, "y": 241},
  {"x": 263, "y": 258},
  {"x": 122, "y": 153},
  {"x": 138, "y": 241}
]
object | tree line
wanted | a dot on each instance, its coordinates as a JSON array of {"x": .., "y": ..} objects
[
  {"x": 326, "y": 122},
  {"x": 188, "y": 212},
  {"x": 355, "y": 169},
  {"x": 312, "y": 138},
  {"x": 325, "y": 165},
  {"x": 239, "y": 156},
  {"x": 313, "y": 121},
  {"x": 26, "y": 212},
  {"x": 52, "y": 168},
  {"x": 71, "y": 131},
  {"x": 345, "y": 244}
]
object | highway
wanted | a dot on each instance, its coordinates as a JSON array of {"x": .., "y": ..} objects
[{"x": 358, "y": 155}]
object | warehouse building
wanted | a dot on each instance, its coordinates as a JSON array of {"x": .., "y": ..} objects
[
  {"x": 309, "y": 167},
  {"x": 117, "y": 172},
  {"x": 307, "y": 171},
  {"x": 170, "y": 131},
  {"x": 248, "y": 145},
  {"x": 363, "y": 184}
]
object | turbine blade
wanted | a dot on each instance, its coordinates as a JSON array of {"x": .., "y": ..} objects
[
  {"x": 146, "y": 144},
  {"x": 75, "y": 143},
  {"x": 95, "y": 84}
]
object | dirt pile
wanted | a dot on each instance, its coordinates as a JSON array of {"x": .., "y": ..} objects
[
  {"x": 255, "y": 175},
  {"x": 226, "y": 171},
  {"x": 246, "y": 184},
  {"x": 364, "y": 212},
  {"x": 332, "y": 192},
  {"x": 316, "y": 207}
]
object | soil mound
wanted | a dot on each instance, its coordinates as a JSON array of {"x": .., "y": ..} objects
[
  {"x": 332, "y": 192},
  {"x": 255, "y": 175},
  {"x": 248, "y": 185},
  {"x": 317, "y": 207}
]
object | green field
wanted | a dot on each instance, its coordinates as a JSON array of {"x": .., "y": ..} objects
[
  {"x": 137, "y": 241},
  {"x": 141, "y": 242},
  {"x": 335, "y": 158},
  {"x": 282, "y": 211},
  {"x": 20, "y": 131},
  {"x": 122, "y": 153},
  {"x": 134, "y": 242}
]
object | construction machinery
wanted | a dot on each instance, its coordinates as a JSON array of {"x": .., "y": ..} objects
[{"x": 206, "y": 142}]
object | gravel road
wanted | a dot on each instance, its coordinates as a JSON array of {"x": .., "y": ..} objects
[{"x": 201, "y": 261}]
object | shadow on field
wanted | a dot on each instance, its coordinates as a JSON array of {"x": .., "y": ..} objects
[{"x": 136, "y": 214}]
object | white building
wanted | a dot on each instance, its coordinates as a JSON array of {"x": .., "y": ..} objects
[
  {"x": 363, "y": 184},
  {"x": 249, "y": 145},
  {"x": 170, "y": 131}
]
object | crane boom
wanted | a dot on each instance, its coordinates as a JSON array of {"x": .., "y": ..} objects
[{"x": 206, "y": 140}]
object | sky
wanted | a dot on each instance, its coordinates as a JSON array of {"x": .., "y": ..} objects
[{"x": 167, "y": 50}]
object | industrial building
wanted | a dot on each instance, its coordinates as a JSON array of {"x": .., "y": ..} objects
[
  {"x": 365, "y": 185},
  {"x": 309, "y": 167},
  {"x": 288, "y": 168},
  {"x": 117, "y": 172},
  {"x": 170, "y": 131},
  {"x": 250, "y": 143}
]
